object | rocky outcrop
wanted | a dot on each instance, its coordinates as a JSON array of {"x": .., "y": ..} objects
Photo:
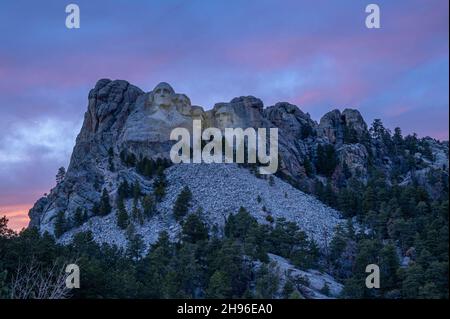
[
  {"x": 121, "y": 117},
  {"x": 244, "y": 111},
  {"x": 354, "y": 122},
  {"x": 297, "y": 132},
  {"x": 354, "y": 158},
  {"x": 338, "y": 128},
  {"x": 331, "y": 126},
  {"x": 312, "y": 283},
  {"x": 291, "y": 120}
]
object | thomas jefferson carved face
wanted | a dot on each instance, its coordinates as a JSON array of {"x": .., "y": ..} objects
[{"x": 162, "y": 94}]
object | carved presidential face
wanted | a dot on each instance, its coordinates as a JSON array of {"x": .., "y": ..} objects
[
  {"x": 224, "y": 117},
  {"x": 162, "y": 94},
  {"x": 183, "y": 104},
  {"x": 197, "y": 113}
]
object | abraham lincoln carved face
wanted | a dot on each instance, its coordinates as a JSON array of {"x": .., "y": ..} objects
[{"x": 224, "y": 117}]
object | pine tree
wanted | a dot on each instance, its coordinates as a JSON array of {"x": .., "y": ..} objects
[
  {"x": 219, "y": 286},
  {"x": 413, "y": 280},
  {"x": 319, "y": 190},
  {"x": 388, "y": 267},
  {"x": 96, "y": 209},
  {"x": 182, "y": 203},
  {"x": 5, "y": 232},
  {"x": 267, "y": 282},
  {"x": 146, "y": 167},
  {"x": 194, "y": 229},
  {"x": 105, "y": 206},
  {"x": 124, "y": 190},
  {"x": 160, "y": 184},
  {"x": 149, "y": 168},
  {"x": 383, "y": 135},
  {"x": 78, "y": 217},
  {"x": 307, "y": 165},
  {"x": 240, "y": 224},
  {"x": 148, "y": 205},
  {"x": 377, "y": 129},
  {"x": 288, "y": 288},
  {"x": 426, "y": 150},
  {"x": 135, "y": 247},
  {"x": 60, "y": 175},
  {"x": 4, "y": 289},
  {"x": 60, "y": 224},
  {"x": 429, "y": 291},
  {"x": 137, "y": 192},
  {"x": 122, "y": 215},
  {"x": 137, "y": 213},
  {"x": 347, "y": 202},
  {"x": 397, "y": 139},
  {"x": 326, "y": 159},
  {"x": 329, "y": 195},
  {"x": 369, "y": 200},
  {"x": 130, "y": 160},
  {"x": 123, "y": 156}
]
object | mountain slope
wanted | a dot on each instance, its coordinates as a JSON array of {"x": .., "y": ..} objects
[{"x": 220, "y": 190}]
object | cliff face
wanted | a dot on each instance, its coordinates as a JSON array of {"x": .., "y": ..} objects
[{"x": 121, "y": 119}]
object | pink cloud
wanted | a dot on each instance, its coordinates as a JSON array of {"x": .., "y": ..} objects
[
  {"x": 310, "y": 96},
  {"x": 17, "y": 215},
  {"x": 397, "y": 110}
]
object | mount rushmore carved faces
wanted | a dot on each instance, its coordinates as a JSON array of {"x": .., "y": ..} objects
[{"x": 170, "y": 115}]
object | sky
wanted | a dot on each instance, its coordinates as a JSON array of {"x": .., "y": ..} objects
[{"x": 318, "y": 55}]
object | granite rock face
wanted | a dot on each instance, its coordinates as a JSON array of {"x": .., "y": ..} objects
[
  {"x": 354, "y": 157},
  {"x": 340, "y": 127},
  {"x": 331, "y": 126},
  {"x": 354, "y": 121},
  {"x": 314, "y": 281},
  {"x": 121, "y": 117}
]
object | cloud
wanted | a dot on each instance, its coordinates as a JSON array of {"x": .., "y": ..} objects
[
  {"x": 17, "y": 215},
  {"x": 30, "y": 153},
  {"x": 48, "y": 138}
]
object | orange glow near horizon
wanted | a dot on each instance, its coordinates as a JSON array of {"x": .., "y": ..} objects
[{"x": 17, "y": 215}]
